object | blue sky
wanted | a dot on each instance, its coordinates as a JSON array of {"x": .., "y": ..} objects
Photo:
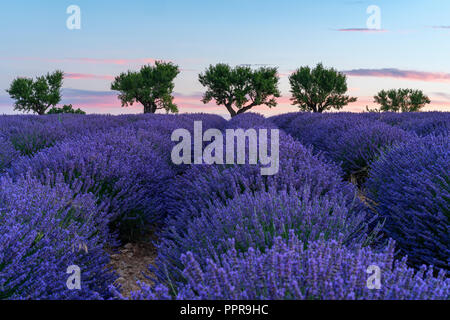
[{"x": 412, "y": 49}]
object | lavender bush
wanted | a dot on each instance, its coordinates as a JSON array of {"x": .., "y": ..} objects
[
  {"x": 118, "y": 167},
  {"x": 351, "y": 140},
  {"x": 357, "y": 147},
  {"x": 7, "y": 154},
  {"x": 325, "y": 270},
  {"x": 69, "y": 183},
  {"x": 250, "y": 120},
  {"x": 45, "y": 229},
  {"x": 160, "y": 128},
  {"x": 254, "y": 220},
  {"x": 128, "y": 166},
  {"x": 283, "y": 120},
  {"x": 410, "y": 188},
  {"x": 421, "y": 123},
  {"x": 320, "y": 130},
  {"x": 29, "y": 134},
  {"x": 203, "y": 189},
  {"x": 202, "y": 186},
  {"x": 423, "y": 127}
]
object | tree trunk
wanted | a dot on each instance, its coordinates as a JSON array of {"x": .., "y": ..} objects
[
  {"x": 231, "y": 111},
  {"x": 149, "y": 108},
  {"x": 312, "y": 107},
  {"x": 244, "y": 109},
  {"x": 41, "y": 111}
]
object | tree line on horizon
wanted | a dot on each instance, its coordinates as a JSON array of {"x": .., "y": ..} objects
[{"x": 238, "y": 89}]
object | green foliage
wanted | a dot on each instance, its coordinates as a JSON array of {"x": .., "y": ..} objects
[
  {"x": 65, "y": 109},
  {"x": 152, "y": 86},
  {"x": 37, "y": 95},
  {"x": 404, "y": 100},
  {"x": 239, "y": 89},
  {"x": 375, "y": 110},
  {"x": 319, "y": 89}
]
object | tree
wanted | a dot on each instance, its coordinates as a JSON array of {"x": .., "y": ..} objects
[
  {"x": 319, "y": 89},
  {"x": 152, "y": 87},
  {"x": 65, "y": 109},
  {"x": 37, "y": 95},
  {"x": 239, "y": 89},
  {"x": 405, "y": 100},
  {"x": 375, "y": 110}
]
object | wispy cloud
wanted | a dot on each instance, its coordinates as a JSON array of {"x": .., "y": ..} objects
[
  {"x": 70, "y": 92},
  {"x": 361, "y": 30},
  {"x": 444, "y": 95},
  {"x": 441, "y": 27},
  {"x": 88, "y": 99},
  {"x": 354, "y": 2},
  {"x": 400, "y": 74},
  {"x": 113, "y": 61},
  {"x": 86, "y": 60}
]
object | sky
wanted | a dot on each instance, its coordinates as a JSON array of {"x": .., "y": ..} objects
[{"x": 409, "y": 47}]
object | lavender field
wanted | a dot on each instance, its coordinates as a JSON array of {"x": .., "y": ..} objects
[{"x": 355, "y": 195}]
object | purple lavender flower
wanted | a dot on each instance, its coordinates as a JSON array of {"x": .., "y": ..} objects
[
  {"x": 325, "y": 270},
  {"x": 118, "y": 167},
  {"x": 45, "y": 229},
  {"x": 254, "y": 220},
  {"x": 357, "y": 147},
  {"x": 410, "y": 188},
  {"x": 7, "y": 154},
  {"x": 351, "y": 140}
]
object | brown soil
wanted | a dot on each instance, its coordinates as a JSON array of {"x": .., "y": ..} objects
[{"x": 130, "y": 262}]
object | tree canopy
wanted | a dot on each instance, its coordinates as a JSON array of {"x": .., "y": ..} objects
[
  {"x": 37, "y": 95},
  {"x": 404, "y": 100},
  {"x": 319, "y": 89},
  {"x": 239, "y": 89},
  {"x": 67, "y": 108},
  {"x": 152, "y": 86}
]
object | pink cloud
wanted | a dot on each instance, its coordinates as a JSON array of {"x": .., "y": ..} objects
[
  {"x": 400, "y": 74},
  {"x": 285, "y": 74},
  {"x": 284, "y": 100},
  {"x": 77, "y": 76},
  {"x": 193, "y": 103},
  {"x": 87, "y": 99}
]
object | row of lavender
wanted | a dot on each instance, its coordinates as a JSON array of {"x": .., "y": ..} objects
[
  {"x": 401, "y": 163},
  {"x": 71, "y": 187}
]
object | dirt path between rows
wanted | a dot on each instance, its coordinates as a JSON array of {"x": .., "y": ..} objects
[{"x": 131, "y": 261}]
